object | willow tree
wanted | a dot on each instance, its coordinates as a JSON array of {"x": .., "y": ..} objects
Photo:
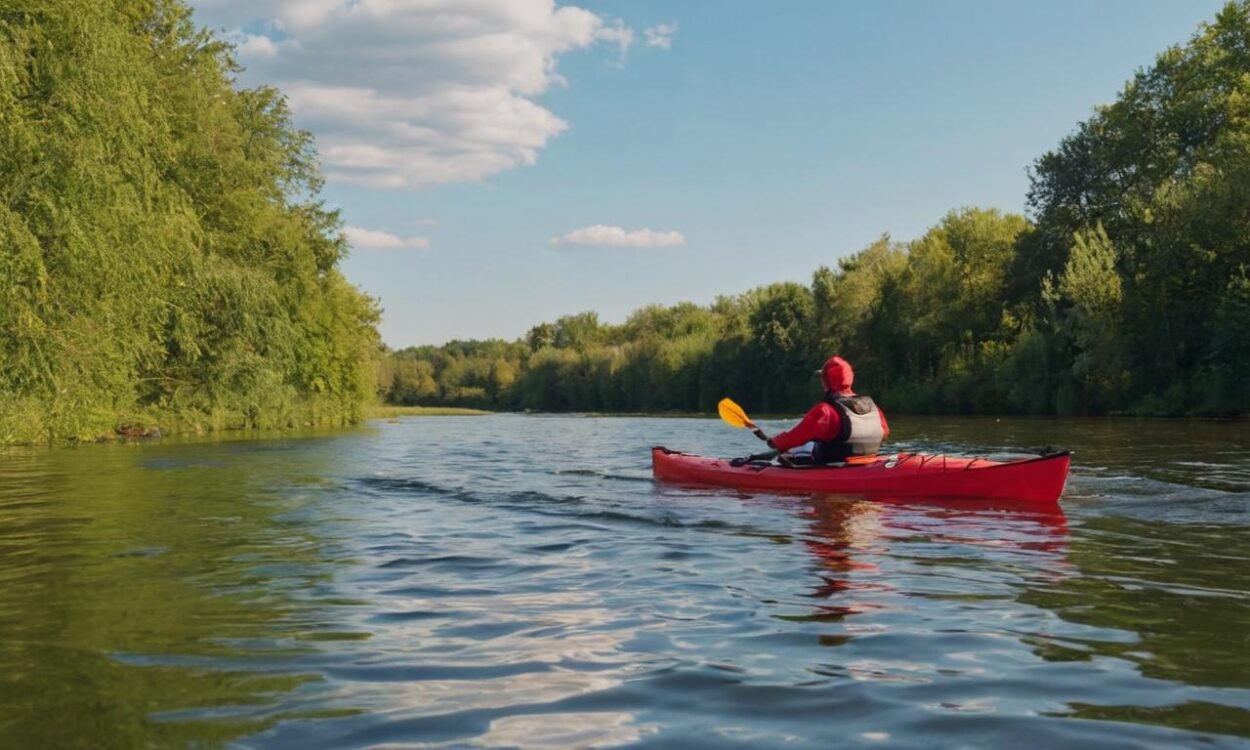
[{"x": 163, "y": 253}]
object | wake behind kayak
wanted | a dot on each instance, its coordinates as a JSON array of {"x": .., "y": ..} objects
[{"x": 1039, "y": 480}]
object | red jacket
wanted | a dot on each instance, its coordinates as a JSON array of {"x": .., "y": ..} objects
[{"x": 822, "y": 422}]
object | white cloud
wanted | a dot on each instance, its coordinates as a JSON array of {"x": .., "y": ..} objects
[
  {"x": 415, "y": 93},
  {"x": 605, "y": 236},
  {"x": 251, "y": 46},
  {"x": 660, "y": 35},
  {"x": 619, "y": 34},
  {"x": 370, "y": 239},
  {"x": 462, "y": 134}
]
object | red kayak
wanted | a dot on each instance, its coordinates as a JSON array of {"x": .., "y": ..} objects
[{"x": 1038, "y": 480}]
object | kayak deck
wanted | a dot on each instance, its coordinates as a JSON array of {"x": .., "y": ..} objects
[{"x": 1037, "y": 480}]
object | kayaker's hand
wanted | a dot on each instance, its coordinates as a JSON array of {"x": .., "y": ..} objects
[{"x": 771, "y": 444}]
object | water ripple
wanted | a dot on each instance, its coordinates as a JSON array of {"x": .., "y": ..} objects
[{"x": 375, "y": 589}]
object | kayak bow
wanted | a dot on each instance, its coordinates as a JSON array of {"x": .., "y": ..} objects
[{"x": 1037, "y": 480}]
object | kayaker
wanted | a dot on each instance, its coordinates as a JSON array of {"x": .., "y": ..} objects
[{"x": 843, "y": 425}]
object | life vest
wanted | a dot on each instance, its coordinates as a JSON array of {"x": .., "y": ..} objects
[{"x": 860, "y": 433}]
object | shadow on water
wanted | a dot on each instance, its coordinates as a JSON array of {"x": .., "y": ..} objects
[{"x": 155, "y": 596}]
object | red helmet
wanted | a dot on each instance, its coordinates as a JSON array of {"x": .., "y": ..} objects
[{"x": 836, "y": 374}]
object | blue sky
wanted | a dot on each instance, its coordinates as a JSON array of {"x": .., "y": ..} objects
[{"x": 757, "y": 141}]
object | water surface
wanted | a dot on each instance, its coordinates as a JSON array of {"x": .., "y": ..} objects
[{"x": 513, "y": 581}]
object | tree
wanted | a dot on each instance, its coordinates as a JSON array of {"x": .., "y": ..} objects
[
  {"x": 165, "y": 257},
  {"x": 578, "y": 332},
  {"x": 780, "y": 322},
  {"x": 1165, "y": 169},
  {"x": 1090, "y": 290},
  {"x": 1230, "y": 351}
]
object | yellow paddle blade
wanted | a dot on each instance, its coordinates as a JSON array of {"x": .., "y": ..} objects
[{"x": 733, "y": 414}]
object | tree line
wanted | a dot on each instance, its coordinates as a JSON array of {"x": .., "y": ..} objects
[
  {"x": 1124, "y": 290},
  {"x": 164, "y": 256}
]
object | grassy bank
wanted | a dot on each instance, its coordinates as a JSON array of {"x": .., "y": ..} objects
[{"x": 35, "y": 426}]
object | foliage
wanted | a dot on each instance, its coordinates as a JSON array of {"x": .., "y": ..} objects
[
  {"x": 1165, "y": 169},
  {"x": 1091, "y": 294},
  {"x": 163, "y": 255}
]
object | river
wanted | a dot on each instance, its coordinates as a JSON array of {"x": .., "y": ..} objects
[{"x": 520, "y": 581}]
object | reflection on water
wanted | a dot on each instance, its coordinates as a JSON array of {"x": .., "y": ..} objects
[
  {"x": 1169, "y": 585},
  {"x": 394, "y": 587},
  {"x": 141, "y": 601}
]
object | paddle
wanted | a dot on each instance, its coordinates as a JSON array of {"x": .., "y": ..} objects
[{"x": 736, "y": 416}]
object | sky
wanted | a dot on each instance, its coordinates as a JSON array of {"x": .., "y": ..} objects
[{"x": 500, "y": 163}]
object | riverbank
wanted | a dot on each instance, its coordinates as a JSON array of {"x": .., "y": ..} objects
[
  {"x": 389, "y": 411},
  {"x": 159, "y": 424}
]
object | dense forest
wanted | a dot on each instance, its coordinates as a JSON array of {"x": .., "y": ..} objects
[
  {"x": 1125, "y": 290},
  {"x": 164, "y": 258}
]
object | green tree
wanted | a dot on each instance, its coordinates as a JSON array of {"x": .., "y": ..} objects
[
  {"x": 579, "y": 331},
  {"x": 1230, "y": 351},
  {"x": 780, "y": 321},
  {"x": 1165, "y": 169},
  {"x": 1091, "y": 293},
  {"x": 164, "y": 254}
]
